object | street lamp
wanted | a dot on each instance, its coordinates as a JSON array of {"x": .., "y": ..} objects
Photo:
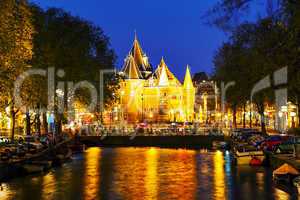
[
  {"x": 121, "y": 108},
  {"x": 142, "y": 107}
]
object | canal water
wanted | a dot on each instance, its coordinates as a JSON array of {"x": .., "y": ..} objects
[{"x": 147, "y": 173}]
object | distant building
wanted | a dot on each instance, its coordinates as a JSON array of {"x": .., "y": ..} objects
[
  {"x": 207, "y": 98},
  {"x": 154, "y": 95}
]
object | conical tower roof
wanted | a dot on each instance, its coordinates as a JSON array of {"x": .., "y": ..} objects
[
  {"x": 163, "y": 79},
  {"x": 130, "y": 69},
  {"x": 163, "y": 68},
  {"x": 188, "y": 83},
  {"x": 139, "y": 56}
]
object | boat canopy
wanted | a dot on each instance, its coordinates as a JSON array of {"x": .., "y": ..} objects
[{"x": 286, "y": 169}]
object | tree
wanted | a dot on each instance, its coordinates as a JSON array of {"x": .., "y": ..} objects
[
  {"x": 16, "y": 32},
  {"x": 227, "y": 63},
  {"x": 75, "y": 46}
]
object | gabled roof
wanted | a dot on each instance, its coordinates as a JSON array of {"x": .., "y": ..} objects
[
  {"x": 188, "y": 83},
  {"x": 139, "y": 56},
  {"x": 130, "y": 69},
  {"x": 163, "y": 68}
]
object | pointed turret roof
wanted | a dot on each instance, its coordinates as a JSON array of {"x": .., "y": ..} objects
[
  {"x": 139, "y": 56},
  {"x": 188, "y": 83},
  {"x": 163, "y": 79},
  {"x": 163, "y": 68},
  {"x": 130, "y": 69}
]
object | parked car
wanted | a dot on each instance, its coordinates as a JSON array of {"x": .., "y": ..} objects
[
  {"x": 33, "y": 144},
  {"x": 4, "y": 140},
  {"x": 292, "y": 140},
  {"x": 273, "y": 141},
  {"x": 44, "y": 140},
  {"x": 256, "y": 140},
  {"x": 248, "y": 134},
  {"x": 5, "y": 154},
  {"x": 215, "y": 132},
  {"x": 288, "y": 146},
  {"x": 284, "y": 148}
]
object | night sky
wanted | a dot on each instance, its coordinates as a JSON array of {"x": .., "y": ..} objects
[{"x": 169, "y": 28}]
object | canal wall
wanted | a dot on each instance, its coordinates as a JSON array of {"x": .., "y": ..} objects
[{"x": 152, "y": 141}]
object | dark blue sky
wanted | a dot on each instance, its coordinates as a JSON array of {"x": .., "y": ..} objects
[{"x": 169, "y": 28}]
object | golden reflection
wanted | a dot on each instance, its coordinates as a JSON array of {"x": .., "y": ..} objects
[
  {"x": 151, "y": 175},
  {"x": 130, "y": 173},
  {"x": 260, "y": 181},
  {"x": 6, "y": 193},
  {"x": 92, "y": 173},
  {"x": 219, "y": 176},
  {"x": 49, "y": 186},
  {"x": 281, "y": 194},
  {"x": 177, "y": 174}
]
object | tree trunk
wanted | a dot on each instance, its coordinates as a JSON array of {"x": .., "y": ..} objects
[
  {"x": 28, "y": 124},
  {"x": 244, "y": 115},
  {"x": 38, "y": 123},
  {"x": 298, "y": 113},
  {"x": 234, "y": 117},
  {"x": 261, "y": 110},
  {"x": 263, "y": 123},
  {"x": 58, "y": 123},
  {"x": 45, "y": 123},
  {"x": 13, "y": 124}
]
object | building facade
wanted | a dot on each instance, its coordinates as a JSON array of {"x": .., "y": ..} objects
[
  {"x": 207, "y": 101},
  {"x": 157, "y": 96}
]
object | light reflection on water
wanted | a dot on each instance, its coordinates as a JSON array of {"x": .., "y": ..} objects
[
  {"x": 48, "y": 186},
  {"x": 147, "y": 173},
  {"x": 219, "y": 179},
  {"x": 151, "y": 183},
  {"x": 91, "y": 178}
]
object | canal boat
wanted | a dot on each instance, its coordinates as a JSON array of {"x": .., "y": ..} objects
[
  {"x": 220, "y": 145},
  {"x": 256, "y": 161},
  {"x": 38, "y": 166},
  {"x": 285, "y": 174},
  {"x": 245, "y": 154},
  {"x": 77, "y": 148},
  {"x": 62, "y": 157},
  {"x": 33, "y": 168}
]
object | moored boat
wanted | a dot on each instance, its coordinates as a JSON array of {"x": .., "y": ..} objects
[
  {"x": 256, "y": 161},
  {"x": 33, "y": 168},
  {"x": 220, "y": 145},
  {"x": 77, "y": 148},
  {"x": 285, "y": 174},
  {"x": 244, "y": 155},
  {"x": 62, "y": 157}
]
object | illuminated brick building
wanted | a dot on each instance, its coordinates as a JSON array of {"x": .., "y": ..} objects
[{"x": 148, "y": 95}]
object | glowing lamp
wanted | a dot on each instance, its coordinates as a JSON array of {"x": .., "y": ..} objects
[
  {"x": 284, "y": 108},
  {"x": 151, "y": 115},
  {"x": 293, "y": 114}
]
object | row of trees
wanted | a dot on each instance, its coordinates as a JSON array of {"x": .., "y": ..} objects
[
  {"x": 256, "y": 50},
  {"x": 33, "y": 38}
]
